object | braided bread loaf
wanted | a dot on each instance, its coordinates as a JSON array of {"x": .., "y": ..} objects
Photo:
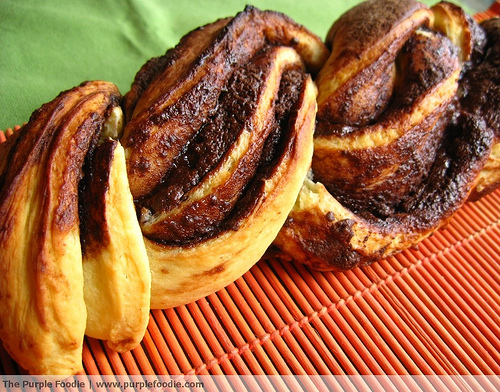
[
  {"x": 113, "y": 205},
  {"x": 404, "y": 131}
]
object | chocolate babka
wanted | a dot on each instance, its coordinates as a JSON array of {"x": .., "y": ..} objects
[
  {"x": 250, "y": 131},
  {"x": 218, "y": 142}
]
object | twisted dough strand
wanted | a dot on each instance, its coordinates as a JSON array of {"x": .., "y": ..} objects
[
  {"x": 396, "y": 150},
  {"x": 42, "y": 312},
  {"x": 218, "y": 142}
]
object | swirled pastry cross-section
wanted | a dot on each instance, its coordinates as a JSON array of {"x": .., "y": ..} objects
[
  {"x": 217, "y": 167},
  {"x": 180, "y": 91}
]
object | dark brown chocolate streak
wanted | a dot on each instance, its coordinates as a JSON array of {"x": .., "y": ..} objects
[
  {"x": 426, "y": 63},
  {"x": 460, "y": 156},
  {"x": 195, "y": 106},
  {"x": 165, "y": 69},
  {"x": 479, "y": 102},
  {"x": 481, "y": 84},
  {"x": 179, "y": 100},
  {"x": 462, "y": 145},
  {"x": 204, "y": 151},
  {"x": 215, "y": 213},
  {"x": 92, "y": 192},
  {"x": 277, "y": 145},
  {"x": 42, "y": 134}
]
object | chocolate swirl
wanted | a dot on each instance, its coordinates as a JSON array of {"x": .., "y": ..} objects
[
  {"x": 218, "y": 142},
  {"x": 174, "y": 96},
  {"x": 230, "y": 156},
  {"x": 396, "y": 153},
  {"x": 481, "y": 103}
]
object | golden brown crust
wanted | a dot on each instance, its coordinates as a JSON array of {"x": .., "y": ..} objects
[
  {"x": 236, "y": 124},
  {"x": 181, "y": 274},
  {"x": 218, "y": 143},
  {"x": 116, "y": 272},
  {"x": 41, "y": 285},
  {"x": 189, "y": 86},
  {"x": 364, "y": 42}
]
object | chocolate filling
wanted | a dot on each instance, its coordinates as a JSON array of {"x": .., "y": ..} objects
[
  {"x": 230, "y": 203},
  {"x": 425, "y": 61},
  {"x": 92, "y": 194}
]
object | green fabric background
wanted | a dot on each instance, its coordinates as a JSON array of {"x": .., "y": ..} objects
[{"x": 48, "y": 46}]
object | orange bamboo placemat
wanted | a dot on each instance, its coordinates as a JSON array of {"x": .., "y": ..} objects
[{"x": 433, "y": 310}]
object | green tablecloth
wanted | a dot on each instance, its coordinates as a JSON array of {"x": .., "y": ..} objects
[{"x": 48, "y": 46}]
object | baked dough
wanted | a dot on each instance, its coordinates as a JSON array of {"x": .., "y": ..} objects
[
  {"x": 218, "y": 142},
  {"x": 216, "y": 162},
  {"x": 42, "y": 312},
  {"x": 117, "y": 278},
  {"x": 397, "y": 147}
]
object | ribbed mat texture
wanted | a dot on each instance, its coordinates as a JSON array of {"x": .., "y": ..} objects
[{"x": 430, "y": 310}]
